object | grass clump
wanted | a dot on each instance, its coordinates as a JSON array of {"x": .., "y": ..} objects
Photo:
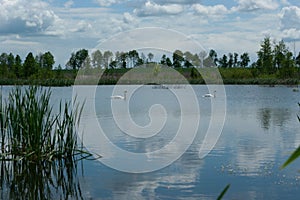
[{"x": 29, "y": 129}]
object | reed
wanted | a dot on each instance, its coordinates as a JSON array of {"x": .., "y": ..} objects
[{"x": 29, "y": 129}]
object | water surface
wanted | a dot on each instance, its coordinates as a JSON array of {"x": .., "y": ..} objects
[{"x": 260, "y": 131}]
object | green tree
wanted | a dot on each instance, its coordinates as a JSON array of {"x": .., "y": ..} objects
[
  {"x": 97, "y": 59},
  {"x": 265, "y": 57},
  {"x": 77, "y": 59},
  {"x": 245, "y": 60},
  {"x": 177, "y": 59},
  {"x": 230, "y": 61},
  {"x": 47, "y": 61},
  {"x": 3, "y": 64},
  {"x": 213, "y": 54},
  {"x": 235, "y": 60},
  {"x": 202, "y": 55},
  {"x": 187, "y": 64},
  {"x": 29, "y": 66},
  {"x": 223, "y": 62},
  {"x": 194, "y": 73},
  {"x": 133, "y": 56},
  {"x": 298, "y": 60},
  {"x": 107, "y": 58},
  {"x": 163, "y": 59},
  {"x": 288, "y": 69},
  {"x": 123, "y": 58},
  {"x": 113, "y": 64},
  {"x": 18, "y": 67},
  {"x": 143, "y": 58},
  {"x": 283, "y": 60},
  {"x": 188, "y": 59},
  {"x": 39, "y": 61},
  {"x": 10, "y": 62},
  {"x": 87, "y": 63},
  {"x": 150, "y": 56},
  {"x": 196, "y": 60},
  {"x": 72, "y": 61},
  {"x": 280, "y": 52},
  {"x": 169, "y": 62},
  {"x": 139, "y": 62}
]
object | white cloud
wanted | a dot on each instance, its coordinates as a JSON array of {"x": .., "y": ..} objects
[
  {"x": 253, "y": 5},
  {"x": 107, "y": 3},
  {"x": 290, "y": 17},
  {"x": 210, "y": 10},
  {"x": 69, "y": 4},
  {"x": 24, "y": 16},
  {"x": 20, "y": 43},
  {"x": 290, "y": 22},
  {"x": 176, "y": 1},
  {"x": 128, "y": 18},
  {"x": 285, "y": 2},
  {"x": 79, "y": 27},
  {"x": 292, "y": 34},
  {"x": 82, "y": 26},
  {"x": 153, "y": 9}
]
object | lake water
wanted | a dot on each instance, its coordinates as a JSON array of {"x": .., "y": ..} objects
[{"x": 261, "y": 129}]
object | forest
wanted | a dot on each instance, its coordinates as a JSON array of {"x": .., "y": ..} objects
[{"x": 275, "y": 64}]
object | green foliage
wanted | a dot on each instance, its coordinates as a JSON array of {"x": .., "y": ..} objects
[
  {"x": 236, "y": 73},
  {"x": 275, "y": 65},
  {"x": 265, "y": 56},
  {"x": 77, "y": 59},
  {"x": 245, "y": 59},
  {"x": 47, "y": 60},
  {"x": 30, "y": 130},
  {"x": 177, "y": 59},
  {"x": 97, "y": 59},
  {"x": 150, "y": 57},
  {"x": 213, "y": 54},
  {"x": 17, "y": 70},
  {"x": 293, "y": 157},
  {"x": 298, "y": 60},
  {"x": 223, "y": 192},
  {"x": 295, "y": 154},
  {"x": 223, "y": 62},
  {"x": 276, "y": 59},
  {"x": 194, "y": 73},
  {"x": 29, "y": 66}
]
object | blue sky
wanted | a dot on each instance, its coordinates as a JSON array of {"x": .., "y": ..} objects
[{"x": 65, "y": 26}]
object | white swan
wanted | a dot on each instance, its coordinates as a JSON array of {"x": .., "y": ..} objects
[
  {"x": 119, "y": 96},
  {"x": 210, "y": 95}
]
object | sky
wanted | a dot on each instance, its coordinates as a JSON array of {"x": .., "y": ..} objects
[{"x": 63, "y": 27}]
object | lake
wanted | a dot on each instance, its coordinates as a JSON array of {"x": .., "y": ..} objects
[{"x": 260, "y": 131}]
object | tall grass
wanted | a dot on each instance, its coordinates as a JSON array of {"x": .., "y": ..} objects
[
  {"x": 295, "y": 155},
  {"x": 29, "y": 129}
]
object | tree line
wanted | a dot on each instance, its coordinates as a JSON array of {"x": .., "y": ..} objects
[
  {"x": 12, "y": 66},
  {"x": 131, "y": 59},
  {"x": 273, "y": 58}
]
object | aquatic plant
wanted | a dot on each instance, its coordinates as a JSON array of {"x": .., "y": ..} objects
[
  {"x": 223, "y": 192},
  {"x": 295, "y": 154},
  {"x": 29, "y": 129}
]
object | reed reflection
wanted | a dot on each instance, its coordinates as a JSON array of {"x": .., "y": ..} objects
[{"x": 24, "y": 179}]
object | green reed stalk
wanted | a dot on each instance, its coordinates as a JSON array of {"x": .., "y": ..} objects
[{"x": 30, "y": 129}]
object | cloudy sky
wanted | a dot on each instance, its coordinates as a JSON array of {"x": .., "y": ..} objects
[{"x": 64, "y": 26}]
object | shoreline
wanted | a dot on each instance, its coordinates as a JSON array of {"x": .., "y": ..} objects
[{"x": 70, "y": 82}]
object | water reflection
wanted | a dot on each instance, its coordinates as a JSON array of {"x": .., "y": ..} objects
[
  {"x": 264, "y": 116},
  {"x": 181, "y": 183},
  {"x": 23, "y": 179},
  {"x": 277, "y": 116}
]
